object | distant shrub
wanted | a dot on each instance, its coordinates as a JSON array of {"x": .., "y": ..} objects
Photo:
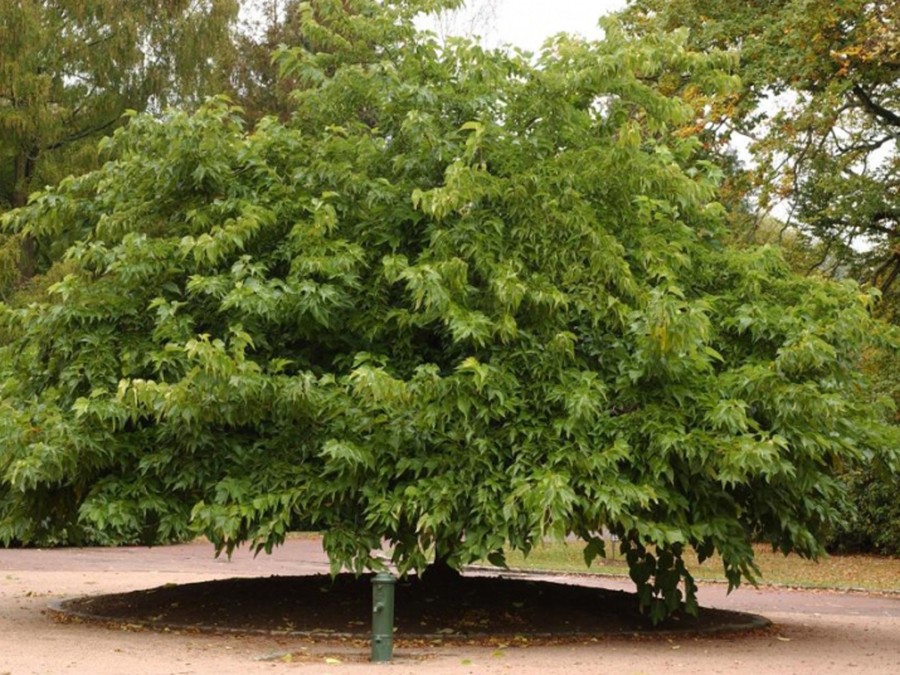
[{"x": 873, "y": 524}]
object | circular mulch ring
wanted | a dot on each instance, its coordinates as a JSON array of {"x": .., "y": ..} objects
[{"x": 464, "y": 608}]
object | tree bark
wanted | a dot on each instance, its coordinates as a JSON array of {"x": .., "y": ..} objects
[
  {"x": 879, "y": 111},
  {"x": 440, "y": 571},
  {"x": 24, "y": 173}
]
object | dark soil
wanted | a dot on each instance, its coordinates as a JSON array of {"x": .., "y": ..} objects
[{"x": 446, "y": 608}]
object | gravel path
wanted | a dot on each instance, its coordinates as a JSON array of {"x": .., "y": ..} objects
[{"x": 815, "y": 632}]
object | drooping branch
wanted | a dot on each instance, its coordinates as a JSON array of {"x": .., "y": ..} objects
[
  {"x": 888, "y": 214},
  {"x": 892, "y": 277},
  {"x": 824, "y": 257},
  {"x": 874, "y": 108},
  {"x": 83, "y": 133},
  {"x": 872, "y": 223},
  {"x": 894, "y": 261}
]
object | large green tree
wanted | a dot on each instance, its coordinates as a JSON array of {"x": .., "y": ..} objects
[
  {"x": 460, "y": 303},
  {"x": 69, "y": 69}
]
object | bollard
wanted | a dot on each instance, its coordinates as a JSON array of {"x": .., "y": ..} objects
[{"x": 382, "y": 617}]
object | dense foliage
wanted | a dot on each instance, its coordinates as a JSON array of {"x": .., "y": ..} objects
[
  {"x": 460, "y": 303},
  {"x": 820, "y": 101},
  {"x": 872, "y": 522}
]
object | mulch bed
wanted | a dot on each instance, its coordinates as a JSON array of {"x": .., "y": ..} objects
[{"x": 449, "y": 608}]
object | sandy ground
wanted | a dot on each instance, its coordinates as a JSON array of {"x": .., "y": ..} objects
[{"x": 814, "y": 632}]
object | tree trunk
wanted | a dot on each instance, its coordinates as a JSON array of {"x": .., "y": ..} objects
[
  {"x": 24, "y": 173},
  {"x": 440, "y": 571}
]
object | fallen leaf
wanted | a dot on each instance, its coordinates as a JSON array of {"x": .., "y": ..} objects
[{"x": 333, "y": 662}]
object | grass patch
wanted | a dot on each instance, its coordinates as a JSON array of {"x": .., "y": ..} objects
[{"x": 837, "y": 571}]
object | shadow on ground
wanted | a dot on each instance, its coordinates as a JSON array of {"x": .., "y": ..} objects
[{"x": 466, "y": 607}]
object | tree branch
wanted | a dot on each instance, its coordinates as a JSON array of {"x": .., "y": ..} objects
[
  {"x": 879, "y": 111},
  {"x": 892, "y": 277},
  {"x": 824, "y": 257},
  {"x": 84, "y": 133}
]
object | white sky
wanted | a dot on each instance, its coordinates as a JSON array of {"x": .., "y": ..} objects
[
  {"x": 527, "y": 23},
  {"x": 523, "y": 23}
]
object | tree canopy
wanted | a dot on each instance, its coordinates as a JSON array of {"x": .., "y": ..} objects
[{"x": 461, "y": 302}]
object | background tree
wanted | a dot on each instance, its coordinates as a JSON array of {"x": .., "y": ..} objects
[
  {"x": 821, "y": 102},
  {"x": 461, "y": 303},
  {"x": 250, "y": 76},
  {"x": 69, "y": 69}
]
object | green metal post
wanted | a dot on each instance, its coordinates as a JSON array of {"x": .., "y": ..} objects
[{"x": 382, "y": 617}]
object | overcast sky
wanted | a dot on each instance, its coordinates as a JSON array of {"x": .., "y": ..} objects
[
  {"x": 527, "y": 23},
  {"x": 524, "y": 23}
]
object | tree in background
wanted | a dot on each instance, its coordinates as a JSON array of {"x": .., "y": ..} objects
[
  {"x": 462, "y": 302},
  {"x": 69, "y": 69},
  {"x": 250, "y": 76},
  {"x": 821, "y": 102}
]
